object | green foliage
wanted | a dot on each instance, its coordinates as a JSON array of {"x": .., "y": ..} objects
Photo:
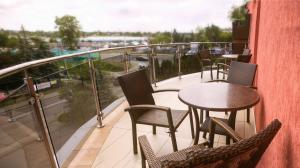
[
  {"x": 12, "y": 42},
  {"x": 69, "y": 30},
  {"x": 104, "y": 84},
  {"x": 176, "y": 37},
  {"x": 81, "y": 103},
  {"x": 82, "y": 71},
  {"x": 23, "y": 49},
  {"x": 3, "y": 38},
  {"x": 238, "y": 13},
  {"x": 167, "y": 69},
  {"x": 79, "y": 94},
  {"x": 164, "y": 37},
  {"x": 212, "y": 33},
  {"x": 109, "y": 66}
]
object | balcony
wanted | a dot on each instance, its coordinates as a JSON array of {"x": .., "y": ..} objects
[
  {"x": 111, "y": 146},
  {"x": 51, "y": 120}
]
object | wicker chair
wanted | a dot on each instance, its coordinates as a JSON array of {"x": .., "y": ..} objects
[
  {"x": 224, "y": 68},
  {"x": 205, "y": 61},
  {"x": 244, "y": 153},
  {"x": 239, "y": 73},
  {"x": 142, "y": 109}
]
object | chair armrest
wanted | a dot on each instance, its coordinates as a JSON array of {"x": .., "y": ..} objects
[
  {"x": 166, "y": 90},
  {"x": 146, "y": 149},
  {"x": 218, "y": 80},
  {"x": 206, "y": 60},
  {"x": 229, "y": 130},
  {"x": 147, "y": 107}
]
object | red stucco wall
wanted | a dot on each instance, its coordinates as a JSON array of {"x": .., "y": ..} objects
[{"x": 275, "y": 43}]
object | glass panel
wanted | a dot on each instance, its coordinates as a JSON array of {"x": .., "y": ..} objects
[
  {"x": 20, "y": 145},
  {"x": 108, "y": 68},
  {"x": 190, "y": 62},
  {"x": 166, "y": 63},
  {"x": 67, "y": 101}
]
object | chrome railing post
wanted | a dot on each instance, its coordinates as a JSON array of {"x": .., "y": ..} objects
[
  {"x": 150, "y": 66},
  {"x": 95, "y": 93},
  {"x": 153, "y": 57},
  {"x": 66, "y": 69},
  {"x": 126, "y": 63},
  {"x": 180, "y": 51},
  {"x": 41, "y": 121},
  {"x": 31, "y": 103}
]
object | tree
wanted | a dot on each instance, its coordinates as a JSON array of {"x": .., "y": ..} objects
[
  {"x": 25, "y": 48},
  {"x": 213, "y": 33},
  {"x": 3, "y": 38},
  {"x": 69, "y": 30},
  {"x": 164, "y": 37},
  {"x": 238, "y": 13},
  {"x": 176, "y": 37},
  {"x": 12, "y": 42},
  {"x": 200, "y": 35}
]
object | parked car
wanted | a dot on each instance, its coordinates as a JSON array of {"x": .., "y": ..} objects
[
  {"x": 216, "y": 51},
  {"x": 142, "y": 58},
  {"x": 3, "y": 96},
  {"x": 142, "y": 65},
  {"x": 193, "y": 50}
]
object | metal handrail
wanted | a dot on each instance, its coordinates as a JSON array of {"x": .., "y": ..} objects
[{"x": 23, "y": 66}]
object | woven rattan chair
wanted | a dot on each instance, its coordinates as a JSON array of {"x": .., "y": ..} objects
[
  {"x": 205, "y": 61},
  {"x": 224, "y": 68},
  {"x": 142, "y": 109},
  {"x": 239, "y": 73},
  {"x": 244, "y": 153}
]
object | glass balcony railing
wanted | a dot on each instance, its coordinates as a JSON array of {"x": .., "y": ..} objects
[
  {"x": 21, "y": 140},
  {"x": 48, "y": 106}
]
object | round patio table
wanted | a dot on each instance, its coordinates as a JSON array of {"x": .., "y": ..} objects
[
  {"x": 219, "y": 97},
  {"x": 229, "y": 56}
]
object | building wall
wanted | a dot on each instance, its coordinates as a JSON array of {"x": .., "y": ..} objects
[{"x": 275, "y": 43}]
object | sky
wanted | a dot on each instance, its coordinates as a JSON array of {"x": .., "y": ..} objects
[{"x": 117, "y": 15}]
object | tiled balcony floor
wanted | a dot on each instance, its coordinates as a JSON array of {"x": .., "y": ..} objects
[{"x": 111, "y": 146}]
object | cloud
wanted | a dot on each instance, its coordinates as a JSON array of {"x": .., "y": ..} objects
[{"x": 117, "y": 15}]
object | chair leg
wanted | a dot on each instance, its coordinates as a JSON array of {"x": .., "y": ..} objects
[
  {"x": 143, "y": 159},
  {"x": 206, "y": 116},
  {"x": 211, "y": 72},
  {"x": 201, "y": 71},
  {"x": 201, "y": 117},
  {"x": 134, "y": 138},
  {"x": 197, "y": 124},
  {"x": 227, "y": 140},
  {"x": 154, "y": 129},
  {"x": 192, "y": 123},
  {"x": 218, "y": 72},
  {"x": 248, "y": 115},
  {"x": 173, "y": 138}
]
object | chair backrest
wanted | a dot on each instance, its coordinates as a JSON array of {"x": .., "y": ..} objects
[
  {"x": 137, "y": 88},
  {"x": 245, "y": 153},
  {"x": 246, "y": 51},
  {"x": 241, "y": 73},
  {"x": 245, "y": 57},
  {"x": 204, "y": 54}
]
